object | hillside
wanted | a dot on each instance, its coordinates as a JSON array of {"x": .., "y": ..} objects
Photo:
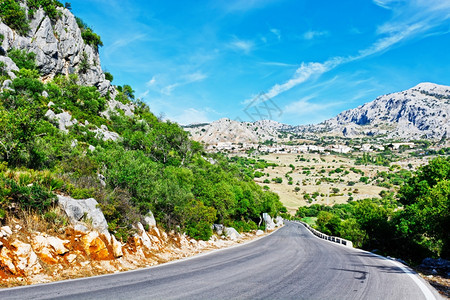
[
  {"x": 226, "y": 130},
  {"x": 87, "y": 170},
  {"x": 422, "y": 112}
]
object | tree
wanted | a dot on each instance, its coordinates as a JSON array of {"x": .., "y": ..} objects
[{"x": 426, "y": 215}]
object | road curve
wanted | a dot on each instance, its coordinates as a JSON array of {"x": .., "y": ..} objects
[{"x": 289, "y": 264}]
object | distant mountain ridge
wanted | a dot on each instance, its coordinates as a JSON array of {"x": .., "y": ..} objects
[{"x": 422, "y": 112}]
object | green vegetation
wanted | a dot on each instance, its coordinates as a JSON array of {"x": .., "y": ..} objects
[
  {"x": 49, "y": 6},
  {"x": 15, "y": 16},
  {"x": 413, "y": 227},
  {"x": 88, "y": 35},
  {"x": 153, "y": 166}
]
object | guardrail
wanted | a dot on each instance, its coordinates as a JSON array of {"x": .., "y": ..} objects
[{"x": 323, "y": 236}]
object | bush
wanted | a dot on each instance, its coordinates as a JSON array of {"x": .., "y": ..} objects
[
  {"x": 49, "y": 6},
  {"x": 89, "y": 36},
  {"x": 29, "y": 197},
  {"x": 23, "y": 59},
  {"x": 14, "y": 16}
]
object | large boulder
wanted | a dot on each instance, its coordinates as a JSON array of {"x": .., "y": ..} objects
[
  {"x": 270, "y": 225},
  {"x": 94, "y": 246},
  {"x": 49, "y": 248},
  {"x": 20, "y": 259},
  {"x": 231, "y": 233},
  {"x": 87, "y": 208},
  {"x": 279, "y": 221},
  {"x": 218, "y": 228}
]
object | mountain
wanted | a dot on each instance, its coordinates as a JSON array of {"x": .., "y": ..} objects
[
  {"x": 420, "y": 112},
  {"x": 226, "y": 130}
]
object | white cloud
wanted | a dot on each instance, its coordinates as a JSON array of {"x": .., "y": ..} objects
[
  {"x": 185, "y": 79},
  {"x": 276, "y": 32},
  {"x": 124, "y": 42},
  {"x": 194, "y": 77},
  {"x": 312, "y": 34},
  {"x": 151, "y": 81},
  {"x": 411, "y": 20},
  {"x": 242, "y": 45}
]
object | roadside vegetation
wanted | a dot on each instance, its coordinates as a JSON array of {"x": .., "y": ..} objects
[
  {"x": 411, "y": 224},
  {"x": 153, "y": 166}
]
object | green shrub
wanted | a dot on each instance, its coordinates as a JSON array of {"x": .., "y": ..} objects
[
  {"x": 84, "y": 65},
  {"x": 30, "y": 197},
  {"x": 49, "y": 6},
  {"x": 14, "y": 16},
  {"x": 109, "y": 76},
  {"x": 23, "y": 59},
  {"x": 88, "y": 35}
]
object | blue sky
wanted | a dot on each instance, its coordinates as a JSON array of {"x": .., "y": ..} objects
[{"x": 198, "y": 61}]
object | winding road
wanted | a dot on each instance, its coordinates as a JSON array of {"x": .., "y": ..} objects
[{"x": 291, "y": 263}]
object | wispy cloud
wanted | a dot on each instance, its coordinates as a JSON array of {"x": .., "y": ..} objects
[
  {"x": 312, "y": 34},
  {"x": 302, "y": 74},
  {"x": 421, "y": 17},
  {"x": 242, "y": 45},
  {"x": 277, "y": 64},
  {"x": 276, "y": 32},
  {"x": 184, "y": 80},
  {"x": 124, "y": 42},
  {"x": 151, "y": 82}
]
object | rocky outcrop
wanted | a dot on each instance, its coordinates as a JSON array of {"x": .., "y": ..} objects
[
  {"x": 86, "y": 209},
  {"x": 59, "y": 49},
  {"x": 270, "y": 225},
  {"x": 231, "y": 233}
]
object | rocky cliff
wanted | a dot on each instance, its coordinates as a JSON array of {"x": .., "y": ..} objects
[{"x": 59, "y": 49}]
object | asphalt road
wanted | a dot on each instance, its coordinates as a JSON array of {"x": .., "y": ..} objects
[{"x": 289, "y": 264}]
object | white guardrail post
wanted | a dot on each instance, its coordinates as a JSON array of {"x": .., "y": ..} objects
[{"x": 321, "y": 235}]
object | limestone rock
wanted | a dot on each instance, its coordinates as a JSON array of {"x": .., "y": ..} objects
[
  {"x": 231, "y": 233},
  {"x": 279, "y": 221},
  {"x": 54, "y": 245},
  {"x": 6, "y": 260},
  {"x": 117, "y": 247},
  {"x": 218, "y": 228},
  {"x": 5, "y": 231},
  {"x": 77, "y": 209},
  {"x": 10, "y": 66},
  {"x": 143, "y": 236},
  {"x": 259, "y": 232},
  {"x": 64, "y": 119},
  {"x": 270, "y": 225},
  {"x": 149, "y": 219},
  {"x": 25, "y": 260},
  {"x": 94, "y": 246}
]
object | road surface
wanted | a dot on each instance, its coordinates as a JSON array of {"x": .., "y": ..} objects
[{"x": 289, "y": 264}]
